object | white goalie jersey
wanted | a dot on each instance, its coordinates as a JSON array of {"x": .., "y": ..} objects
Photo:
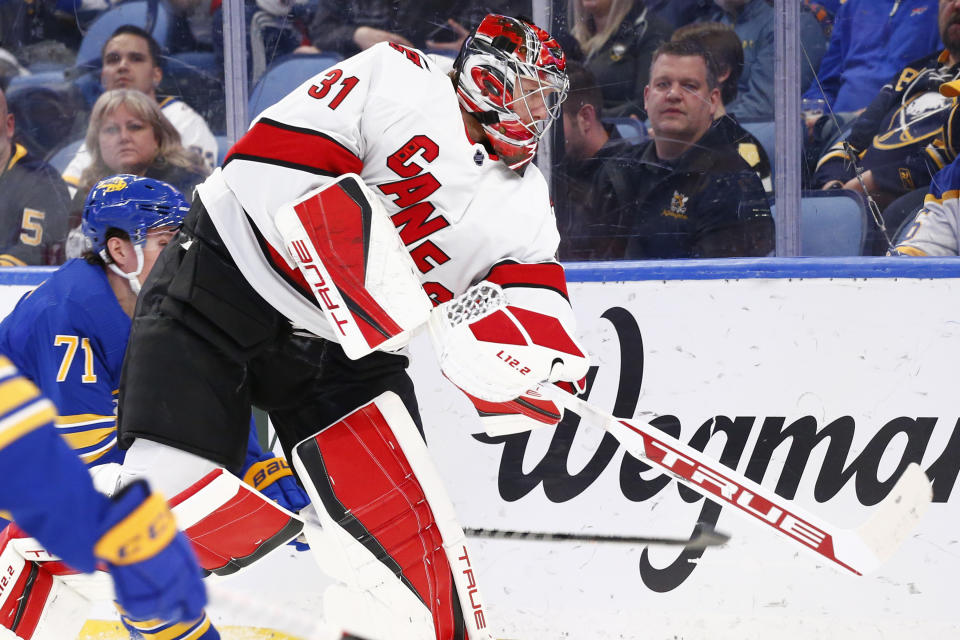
[{"x": 391, "y": 116}]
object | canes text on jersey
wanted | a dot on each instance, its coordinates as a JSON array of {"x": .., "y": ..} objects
[{"x": 414, "y": 220}]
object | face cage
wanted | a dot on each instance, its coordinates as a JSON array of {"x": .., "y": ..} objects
[{"x": 551, "y": 86}]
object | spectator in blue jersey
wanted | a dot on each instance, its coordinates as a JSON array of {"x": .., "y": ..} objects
[
  {"x": 904, "y": 136},
  {"x": 872, "y": 41},
  {"x": 33, "y": 202},
  {"x": 753, "y": 22},
  {"x": 935, "y": 230}
]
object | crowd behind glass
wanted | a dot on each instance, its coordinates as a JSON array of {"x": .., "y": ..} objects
[{"x": 664, "y": 149}]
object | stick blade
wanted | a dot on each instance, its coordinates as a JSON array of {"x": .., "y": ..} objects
[
  {"x": 897, "y": 516},
  {"x": 704, "y": 535}
]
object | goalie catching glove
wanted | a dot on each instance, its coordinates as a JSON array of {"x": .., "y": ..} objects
[{"x": 508, "y": 333}]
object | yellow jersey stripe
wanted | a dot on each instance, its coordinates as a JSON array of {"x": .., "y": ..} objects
[
  {"x": 82, "y": 419},
  {"x": 910, "y": 251},
  {"x": 26, "y": 420},
  {"x": 160, "y": 630},
  {"x": 93, "y": 456},
  {"x": 89, "y": 438},
  {"x": 15, "y": 393}
]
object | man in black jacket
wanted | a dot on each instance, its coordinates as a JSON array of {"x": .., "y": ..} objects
[
  {"x": 693, "y": 195},
  {"x": 596, "y": 160}
]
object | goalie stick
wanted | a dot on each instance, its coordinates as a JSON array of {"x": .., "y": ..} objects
[
  {"x": 860, "y": 550},
  {"x": 704, "y": 535}
]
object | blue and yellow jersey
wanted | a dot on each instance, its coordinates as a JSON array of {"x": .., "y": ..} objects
[
  {"x": 47, "y": 490},
  {"x": 935, "y": 231},
  {"x": 69, "y": 336}
]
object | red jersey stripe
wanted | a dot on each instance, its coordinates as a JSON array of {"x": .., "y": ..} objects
[{"x": 273, "y": 142}]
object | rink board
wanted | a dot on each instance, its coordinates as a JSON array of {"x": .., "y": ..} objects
[{"x": 864, "y": 351}]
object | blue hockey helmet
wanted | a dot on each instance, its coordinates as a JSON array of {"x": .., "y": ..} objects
[{"x": 133, "y": 204}]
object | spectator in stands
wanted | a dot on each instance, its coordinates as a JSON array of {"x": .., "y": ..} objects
[
  {"x": 129, "y": 134},
  {"x": 901, "y": 139},
  {"x": 350, "y": 27},
  {"x": 935, "y": 231},
  {"x": 726, "y": 53},
  {"x": 753, "y": 22},
  {"x": 618, "y": 38},
  {"x": 131, "y": 60},
  {"x": 694, "y": 196},
  {"x": 33, "y": 203},
  {"x": 453, "y": 26},
  {"x": 871, "y": 41},
  {"x": 681, "y": 12},
  {"x": 596, "y": 160}
]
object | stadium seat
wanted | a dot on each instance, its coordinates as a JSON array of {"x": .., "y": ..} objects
[
  {"x": 832, "y": 223},
  {"x": 629, "y": 129},
  {"x": 284, "y": 76},
  {"x": 764, "y": 132},
  {"x": 136, "y": 13},
  {"x": 60, "y": 158}
]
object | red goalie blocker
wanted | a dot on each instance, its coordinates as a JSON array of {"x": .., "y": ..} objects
[{"x": 355, "y": 265}]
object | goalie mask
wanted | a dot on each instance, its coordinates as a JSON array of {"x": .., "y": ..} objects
[
  {"x": 510, "y": 76},
  {"x": 132, "y": 204}
]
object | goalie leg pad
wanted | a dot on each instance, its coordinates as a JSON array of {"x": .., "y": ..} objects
[
  {"x": 228, "y": 522},
  {"x": 34, "y": 603},
  {"x": 354, "y": 263},
  {"x": 384, "y": 510}
]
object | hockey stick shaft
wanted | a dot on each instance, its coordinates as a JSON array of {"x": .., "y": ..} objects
[
  {"x": 859, "y": 550},
  {"x": 703, "y": 536}
]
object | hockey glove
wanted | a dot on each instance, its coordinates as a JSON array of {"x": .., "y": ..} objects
[
  {"x": 154, "y": 570},
  {"x": 272, "y": 477},
  {"x": 495, "y": 348}
]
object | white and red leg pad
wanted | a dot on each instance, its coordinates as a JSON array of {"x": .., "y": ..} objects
[
  {"x": 389, "y": 529},
  {"x": 36, "y": 603},
  {"x": 230, "y": 524},
  {"x": 353, "y": 261}
]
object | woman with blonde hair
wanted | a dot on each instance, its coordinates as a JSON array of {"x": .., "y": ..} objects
[
  {"x": 618, "y": 38},
  {"x": 128, "y": 134}
]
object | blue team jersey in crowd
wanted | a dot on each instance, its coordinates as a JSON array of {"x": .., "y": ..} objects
[{"x": 69, "y": 336}]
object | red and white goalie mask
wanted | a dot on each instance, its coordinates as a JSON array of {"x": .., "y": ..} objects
[{"x": 510, "y": 76}]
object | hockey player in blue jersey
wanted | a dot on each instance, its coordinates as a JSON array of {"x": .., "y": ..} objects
[
  {"x": 69, "y": 337},
  {"x": 70, "y": 334},
  {"x": 154, "y": 571}
]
